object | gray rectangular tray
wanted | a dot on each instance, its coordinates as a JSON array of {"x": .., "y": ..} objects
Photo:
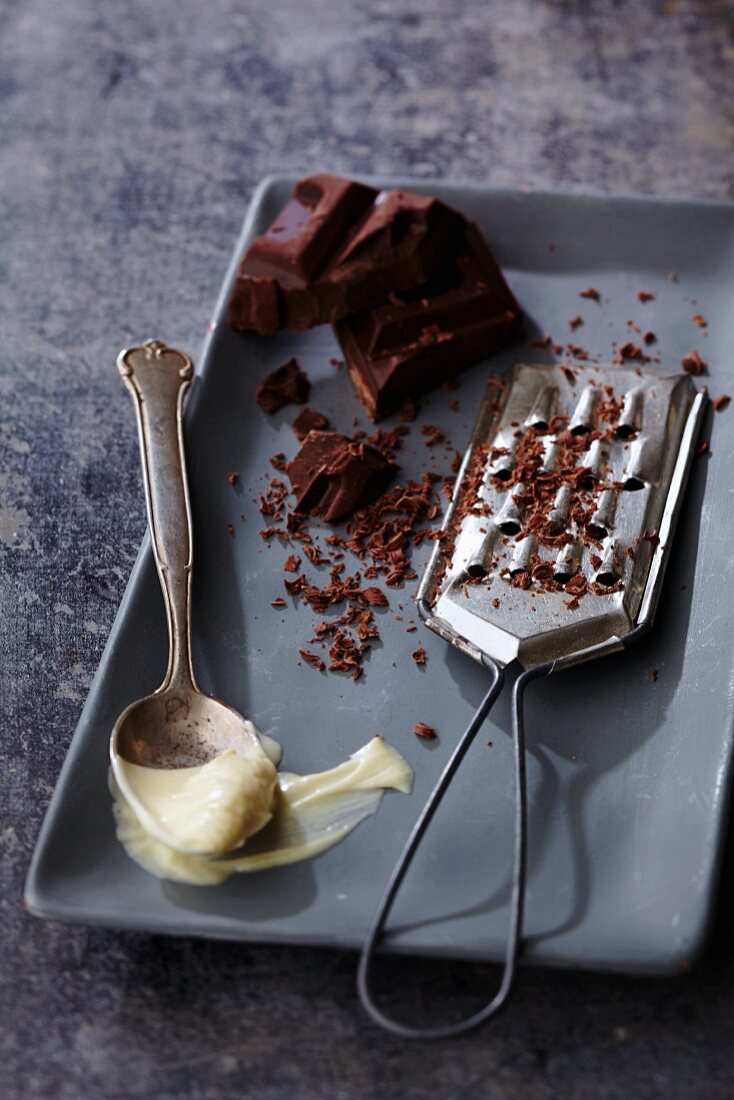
[{"x": 628, "y": 776}]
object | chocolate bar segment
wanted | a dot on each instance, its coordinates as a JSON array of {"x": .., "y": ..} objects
[
  {"x": 333, "y": 475},
  {"x": 417, "y": 339},
  {"x": 338, "y": 247}
]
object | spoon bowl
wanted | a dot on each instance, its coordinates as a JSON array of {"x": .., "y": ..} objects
[{"x": 179, "y": 729}]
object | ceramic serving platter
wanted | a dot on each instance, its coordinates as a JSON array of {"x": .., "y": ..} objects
[{"x": 629, "y": 757}]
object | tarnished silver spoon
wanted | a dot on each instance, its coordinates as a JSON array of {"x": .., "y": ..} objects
[{"x": 178, "y": 725}]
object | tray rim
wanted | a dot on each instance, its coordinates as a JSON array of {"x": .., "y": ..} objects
[{"x": 37, "y": 901}]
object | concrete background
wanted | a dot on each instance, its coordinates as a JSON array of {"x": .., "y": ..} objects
[{"x": 134, "y": 134}]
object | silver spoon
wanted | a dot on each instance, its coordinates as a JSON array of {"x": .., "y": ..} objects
[{"x": 178, "y": 725}]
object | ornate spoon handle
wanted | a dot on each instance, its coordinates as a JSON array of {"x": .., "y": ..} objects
[{"x": 157, "y": 378}]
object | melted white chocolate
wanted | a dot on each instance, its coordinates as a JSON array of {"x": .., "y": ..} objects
[
  {"x": 209, "y": 809},
  {"x": 309, "y": 813}
]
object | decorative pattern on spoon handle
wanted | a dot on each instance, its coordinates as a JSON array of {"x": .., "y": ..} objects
[{"x": 157, "y": 378}]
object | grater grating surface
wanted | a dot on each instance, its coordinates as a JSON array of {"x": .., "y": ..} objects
[{"x": 563, "y": 511}]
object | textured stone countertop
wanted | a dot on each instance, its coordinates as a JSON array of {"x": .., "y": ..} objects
[{"x": 134, "y": 134}]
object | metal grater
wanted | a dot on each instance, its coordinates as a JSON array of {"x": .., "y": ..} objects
[
  {"x": 633, "y": 433},
  {"x": 553, "y": 551}
]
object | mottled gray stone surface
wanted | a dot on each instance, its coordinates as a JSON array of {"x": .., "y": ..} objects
[{"x": 133, "y": 135}]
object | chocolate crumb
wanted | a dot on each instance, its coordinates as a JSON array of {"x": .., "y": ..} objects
[
  {"x": 292, "y": 564},
  {"x": 278, "y": 602},
  {"x": 230, "y": 529},
  {"x": 337, "y": 363},
  {"x": 309, "y": 420},
  {"x": 673, "y": 276},
  {"x": 428, "y": 733},
  {"x": 703, "y": 447},
  {"x": 692, "y": 363},
  {"x": 375, "y": 597},
  {"x": 312, "y": 659},
  {"x": 650, "y": 338},
  {"x": 720, "y": 402},
  {"x": 282, "y": 386},
  {"x": 645, "y": 296},
  {"x": 541, "y": 341},
  {"x": 654, "y": 675},
  {"x": 419, "y": 656},
  {"x": 700, "y": 320},
  {"x": 592, "y": 293},
  {"x": 233, "y": 479},
  {"x": 433, "y": 434},
  {"x": 631, "y": 351},
  {"x": 574, "y": 323},
  {"x": 408, "y": 410}
]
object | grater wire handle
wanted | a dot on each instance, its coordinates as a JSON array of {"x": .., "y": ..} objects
[{"x": 517, "y": 898}]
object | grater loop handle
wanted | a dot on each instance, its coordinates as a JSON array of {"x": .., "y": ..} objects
[{"x": 517, "y": 900}]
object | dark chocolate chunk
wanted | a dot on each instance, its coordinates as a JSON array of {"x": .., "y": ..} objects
[
  {"x": 335, "y": 248},
  {"x": 332, "y": 475},
  {"x": 283, "y": 386},
  {"x": 308, "y": 420},
  {"x": 419, "y": 338}
]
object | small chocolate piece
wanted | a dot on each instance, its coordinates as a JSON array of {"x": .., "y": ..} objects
[
  {"x": 285, "y": 385},
  {"x": 692, "y": 363},
  {"x": 419, "y": 338},
  {"x": 308, "y": 420},
  {"x": 335, "y": 248},
  {"x": 332, "y": 475}
]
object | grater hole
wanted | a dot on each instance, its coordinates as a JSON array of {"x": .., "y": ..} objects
[
  {"x": 607, "y": 577},
  {"x": 625, "y": 431},
  {"x": 563, "y": 574},
  {"x": 597, "y": 531},
  {"x": 510, "y": 527},
  {"x": 477, "y": 571},
  {"x": 634, "y": 484},
  {"x": 502, "y": 474},
  {"x": 581, "y": 429}
]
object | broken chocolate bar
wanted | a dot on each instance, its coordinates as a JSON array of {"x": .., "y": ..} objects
[
  {"x": 288, "y": 384},
  {"x": 419, "y": 338},
  {"x": 333, "y": 475},
  {"x": 338, "y": 247}
]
